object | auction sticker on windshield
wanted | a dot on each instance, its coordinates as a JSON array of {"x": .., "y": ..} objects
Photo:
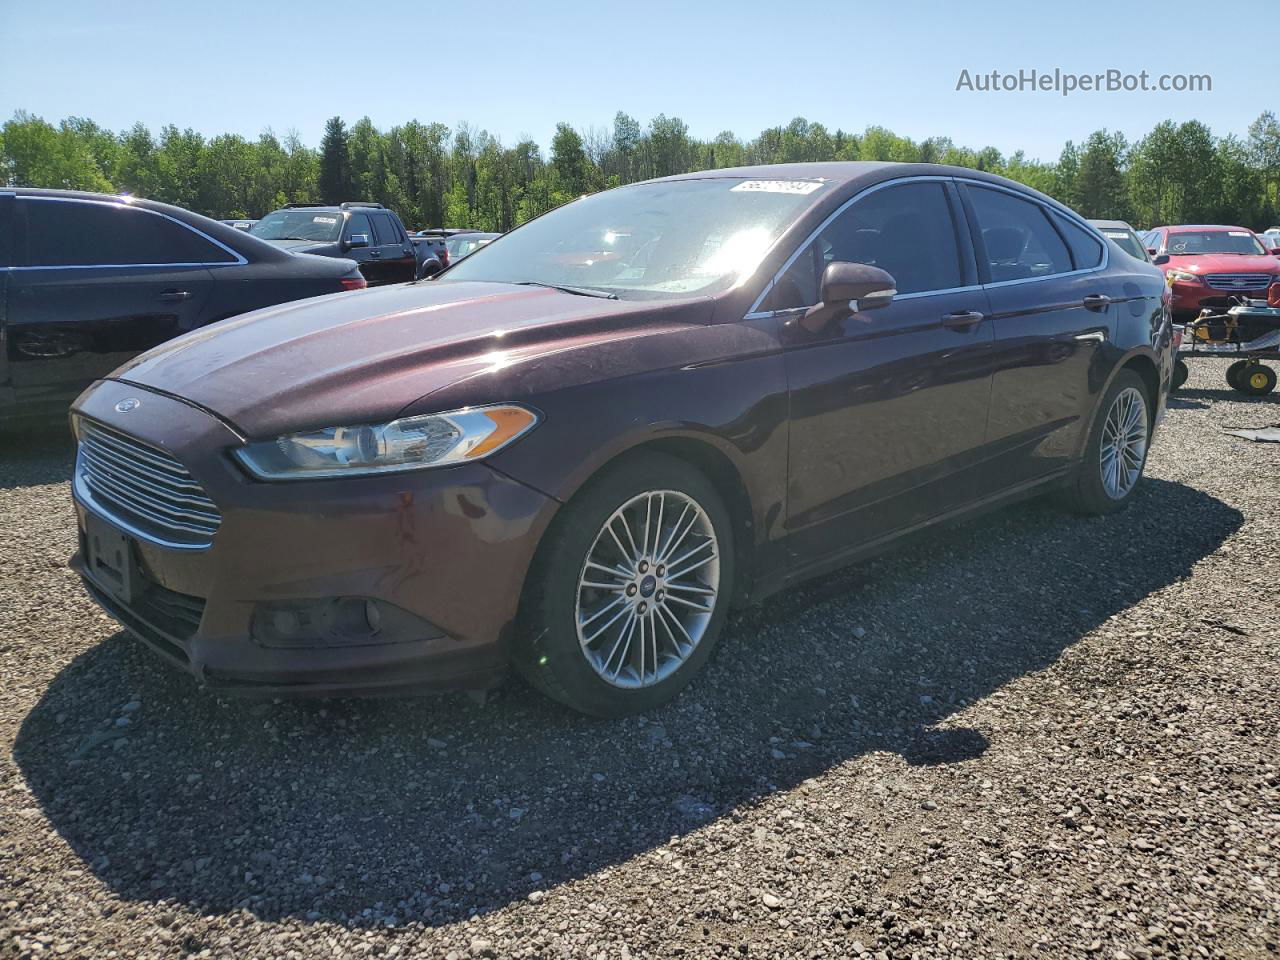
[
  {"x": 778, "y": 186},
  {"x": 324, "y": 219}
]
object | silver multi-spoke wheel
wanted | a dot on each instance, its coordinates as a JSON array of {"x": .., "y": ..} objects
[
  {"x": 1124, "y": 443},
  {"x": 648, "y": 588}
]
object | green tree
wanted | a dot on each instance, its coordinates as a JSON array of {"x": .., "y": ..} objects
[{"x": 335, "y": 181}]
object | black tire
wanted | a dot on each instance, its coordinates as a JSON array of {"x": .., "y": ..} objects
[
  {"x": 429, "y": 269},
  {"x": 1085, "y": 492},
  {"x": 547, "y": 652},
  {"x": 1233, "y": 374},
  {"x": 1180, "y": 373},
  {"x": 1257, "y": 380}
]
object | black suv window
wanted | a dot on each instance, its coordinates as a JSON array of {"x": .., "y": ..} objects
[
  {"x": 71, "y": 233},
  {"x": 907, "y": 230},
  {"x": 1020, "y": 241},
  {"x": 359, "y": 223},
  {"x": 387, "y": 232},
  {"x": 1086, "y": 251}
]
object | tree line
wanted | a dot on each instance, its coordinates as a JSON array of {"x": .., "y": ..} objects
[{"x": 432, "y": 175}]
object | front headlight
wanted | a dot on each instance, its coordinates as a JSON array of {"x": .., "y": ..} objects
[
  {"x": 1183, "y": 276},
  {"x": 412, "y": 443}
]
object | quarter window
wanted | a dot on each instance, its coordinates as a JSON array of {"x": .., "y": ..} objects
[
  {"x": 1020, "y": 242},
  {"x": 906, "y": 230},
  {"x": 70, "y": 233},
  {"x": 1086, "y": 252}
]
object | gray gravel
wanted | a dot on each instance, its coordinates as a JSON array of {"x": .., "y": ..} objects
[{"x": 1030, "y": 735}]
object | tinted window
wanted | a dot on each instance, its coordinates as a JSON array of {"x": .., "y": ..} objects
[
  {"x": 387, "y": 232},
  {"x": 906, "y": 230},
  {"x": 359, "y": 223},
  {"x": 70, "y": 233},
  {"x": 1020, "y": 241},
  {"x": 1086, "y": 251}
]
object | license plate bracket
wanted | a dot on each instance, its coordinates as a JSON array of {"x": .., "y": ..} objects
[{"x": 109, "y": 560}]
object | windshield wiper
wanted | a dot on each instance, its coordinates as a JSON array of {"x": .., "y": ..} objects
[{"x": 576, "y": 291}]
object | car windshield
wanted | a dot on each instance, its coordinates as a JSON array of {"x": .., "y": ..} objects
[
  {"x": 648, "y": 241},
  {"x": 1127, "y": 242},
  {"x": 321, "y": 225},
  {"x": 1214, "y": 241}
]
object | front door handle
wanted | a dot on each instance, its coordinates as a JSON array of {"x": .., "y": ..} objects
[
  {"x": 1097, "y": 302},
  {"x": 175, "y": 295},
  {"x": 963, "y": 319}
]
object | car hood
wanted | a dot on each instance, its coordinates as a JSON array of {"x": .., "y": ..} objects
[
  {"x": 301, "y": 246},
  {"x": 364, "y": 356},
  {"x": 1223, "y": 263}
]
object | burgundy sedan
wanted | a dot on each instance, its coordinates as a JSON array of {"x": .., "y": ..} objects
[{"x": 577, "y": 465}]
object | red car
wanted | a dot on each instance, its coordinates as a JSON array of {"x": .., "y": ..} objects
[{"x": 1208, "y": 265}]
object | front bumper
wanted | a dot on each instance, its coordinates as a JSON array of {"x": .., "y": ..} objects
[
  {"x": 451, "y": 547},
  {"x": 1190, "y": 298}
]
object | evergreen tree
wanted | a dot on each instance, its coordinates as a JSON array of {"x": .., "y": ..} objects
[{"x": 335, "y": 182}]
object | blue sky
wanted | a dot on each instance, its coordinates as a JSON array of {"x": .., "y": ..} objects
[{"x": 517, "y": 68}]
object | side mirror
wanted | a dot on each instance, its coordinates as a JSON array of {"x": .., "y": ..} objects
[
  {"x": 849, "y": 288},
  {"x": 1275, "y": 251},
  {"x": 1160, "y": 260},
  {"x": 358, "y": 240},
  {"x": 1151, "y": 250}
]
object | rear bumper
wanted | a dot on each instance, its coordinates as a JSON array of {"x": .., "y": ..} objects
[{"x": 450, "y": 548}]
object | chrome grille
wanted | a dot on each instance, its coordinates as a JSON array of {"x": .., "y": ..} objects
[
  {"x": 143, "y": 488},
  {"x": 1238, "y": 281}
]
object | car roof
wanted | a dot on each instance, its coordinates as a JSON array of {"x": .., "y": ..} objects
[
  {"x": 1112, "y": 224},
  {"x": 857, "y": 174},
  {"x": 224, "y": 233},
  {"x": 1201, "y": 227}
]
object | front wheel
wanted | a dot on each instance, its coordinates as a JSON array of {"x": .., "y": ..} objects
[
  {"x": 1180, "y": 374},
  {"x": 1116, "y": 451},
  {"x": 630, "y": 592}
]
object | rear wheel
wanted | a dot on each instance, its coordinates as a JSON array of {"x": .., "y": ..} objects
[
  {"x": 1256, "y": 380},
  {"x": 1116, "y": 451},
  {"x": 1180, "y": 374},
  {"x": 629, "y": 594}
]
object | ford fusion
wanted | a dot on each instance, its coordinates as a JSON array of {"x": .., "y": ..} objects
[{"x": 580, "y": 447}]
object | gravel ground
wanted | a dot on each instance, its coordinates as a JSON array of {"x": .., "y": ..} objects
[{"x": 1029, "y": 735}]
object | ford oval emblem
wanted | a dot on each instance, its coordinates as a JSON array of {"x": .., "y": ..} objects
[{"x": 127, "y": 404}]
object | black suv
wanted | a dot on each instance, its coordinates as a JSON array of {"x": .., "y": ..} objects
[
  {"x": 367, "y": 233},
  {"x": 88, "y": 281}
]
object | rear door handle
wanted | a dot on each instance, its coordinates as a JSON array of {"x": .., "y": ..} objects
[
  {"x": 175, "y": 295},
  {"x": 963, "y": 319},
  {"x": 375, "y": 254},
  {"x": 1097, "y": 302}
]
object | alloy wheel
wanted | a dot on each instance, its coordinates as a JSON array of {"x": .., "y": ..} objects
[
  {"x": 1124, "y": 443},
  {"x": 648, "y": 588}
]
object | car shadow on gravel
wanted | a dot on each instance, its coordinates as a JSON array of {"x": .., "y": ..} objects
[
  {"x": 380, "y": 812},
  {"x": 32, "y": 457}
]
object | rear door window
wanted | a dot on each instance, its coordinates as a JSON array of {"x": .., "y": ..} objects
[
  {"x": 77, "y": 233},
  {"x": 1020, "y": 242},
  {"x": 907, "y": 230},
  {"x": 388, "y": 235}
]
